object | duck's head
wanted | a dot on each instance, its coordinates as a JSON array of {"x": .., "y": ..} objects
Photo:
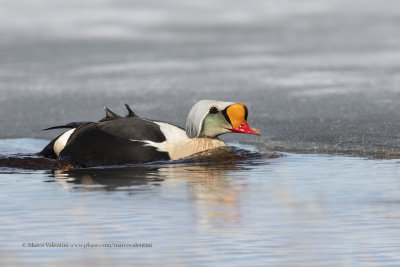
[{"x": 210, "y": 118}]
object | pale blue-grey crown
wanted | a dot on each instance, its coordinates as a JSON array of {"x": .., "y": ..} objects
[{"x": 197, "y": 114}]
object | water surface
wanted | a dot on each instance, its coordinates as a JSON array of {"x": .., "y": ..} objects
[
  {"x": 319, "y": 76},
  {"x": 299, "y": 209}
]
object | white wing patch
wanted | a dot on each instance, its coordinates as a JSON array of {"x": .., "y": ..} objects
[
  {"x": 61, "y": 142},
  {"x": 173, "y": 134}
]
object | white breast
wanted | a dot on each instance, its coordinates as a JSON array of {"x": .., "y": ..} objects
[{"x": 61, "y": 142}]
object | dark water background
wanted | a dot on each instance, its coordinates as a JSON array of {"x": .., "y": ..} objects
[{"x": 317, "y": 76}]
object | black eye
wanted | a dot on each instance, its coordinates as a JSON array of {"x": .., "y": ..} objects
[{"x": 213, "y": 110}]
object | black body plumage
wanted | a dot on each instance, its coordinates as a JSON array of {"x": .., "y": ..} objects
[{"x": 113, "y": 140}]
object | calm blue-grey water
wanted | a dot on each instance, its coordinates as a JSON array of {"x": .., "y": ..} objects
[
  {"x": 317, "y": 75},
  {"x": 299, "y": 209}
]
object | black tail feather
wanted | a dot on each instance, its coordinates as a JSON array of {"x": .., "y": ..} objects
[{"x": 70, "y": 125}]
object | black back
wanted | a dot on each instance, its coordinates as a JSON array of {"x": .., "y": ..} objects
[
  {"x": 135, "y": 128},
  {"x": 90, "y": 146},
  {"x": 112, "y": 140}
]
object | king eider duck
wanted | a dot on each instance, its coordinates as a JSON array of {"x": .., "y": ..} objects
[{"x": 132, "y": 139}]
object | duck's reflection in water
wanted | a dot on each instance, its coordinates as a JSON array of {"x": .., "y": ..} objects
[
  {"x": 215, "y": 184},
  {"x": 107, "y": 179}
]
